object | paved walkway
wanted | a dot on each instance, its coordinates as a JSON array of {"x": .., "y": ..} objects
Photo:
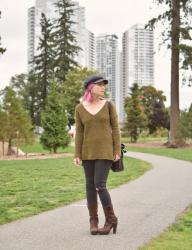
[{"x": 145, "y": 207}]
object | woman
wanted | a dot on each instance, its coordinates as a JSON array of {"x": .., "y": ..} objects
[{"x": 97, "y": 145}]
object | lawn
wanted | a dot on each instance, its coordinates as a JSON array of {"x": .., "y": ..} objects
[
  {"x": 36, "y": 147},
  {"x": 29, "y": 187},
  {"x": 145, "y": 139},
  {"x": 178, "y": 153},
  {"x": 177, "y": 237}
]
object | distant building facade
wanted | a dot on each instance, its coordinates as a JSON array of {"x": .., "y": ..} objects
[
  {"x": 107, "y": 63},
  {"x": 137, "y": 62}
]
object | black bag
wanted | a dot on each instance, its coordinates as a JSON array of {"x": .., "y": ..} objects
[{"x": 118, "y": 165}]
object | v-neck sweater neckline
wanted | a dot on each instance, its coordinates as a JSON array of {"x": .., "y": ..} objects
[{"x": 96, "y": 112}]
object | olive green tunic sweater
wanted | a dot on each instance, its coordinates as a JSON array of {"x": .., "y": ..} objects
[{"x": 97, "y": 136}]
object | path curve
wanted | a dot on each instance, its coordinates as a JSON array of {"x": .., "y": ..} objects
[{"x": 145, "y": 207}]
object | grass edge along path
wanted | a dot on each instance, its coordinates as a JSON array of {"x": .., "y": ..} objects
[
  {"x": 177, "y": 153},
  {"x": 177, "y": 237},
  {"x": 34, "y": 186}
]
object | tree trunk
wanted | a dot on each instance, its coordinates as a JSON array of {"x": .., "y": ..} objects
[
  {"x": 174, "y": 115},
  {"x": 3, "y": 147},
  {"x": 9, "y": 151},
  {"x": 55, "y": 150}
]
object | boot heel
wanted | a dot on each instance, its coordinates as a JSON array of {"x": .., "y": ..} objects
[{"x": 114, "y": 229}]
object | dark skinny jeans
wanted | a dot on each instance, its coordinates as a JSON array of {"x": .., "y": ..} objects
[{"x": 96, "y": 173}]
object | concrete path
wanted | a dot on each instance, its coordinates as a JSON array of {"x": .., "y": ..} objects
[{"x": 145, "y": 207}]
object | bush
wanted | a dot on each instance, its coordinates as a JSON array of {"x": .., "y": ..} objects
[{"x": 184, "y": 128}]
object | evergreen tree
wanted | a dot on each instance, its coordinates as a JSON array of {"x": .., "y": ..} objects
[
  {"x": 2, "y": 50},
  {"x": 65, "y": 42},
  {"x": 34, "y": 101},
  {"x": 33, "y": 88},
  {"x": 43, "y": 62},
  {"x": 54, "y": 122},
  {"x": 18, "y": 122},
  {"x": 178, "y": 18},
  {"x": 136, "y": 119}
]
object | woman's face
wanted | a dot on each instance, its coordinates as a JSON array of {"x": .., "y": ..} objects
[{"x": 98, "y": 89}]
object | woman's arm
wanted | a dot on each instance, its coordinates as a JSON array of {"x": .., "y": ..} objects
[
  {"x": 115, "y": 132},
  {"x": 78, "y": 135}
]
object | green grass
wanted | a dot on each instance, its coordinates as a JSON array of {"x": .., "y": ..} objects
[
  {"x": 30, "y": 187},
  {"x": 178, "y": 153},
  {"x": 144, "y": 139},
  {"x": 36, "y": 147},
  {"x": 177, "y": 237}
]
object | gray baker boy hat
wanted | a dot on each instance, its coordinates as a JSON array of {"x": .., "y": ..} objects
[{"x": 95, "y": 80}]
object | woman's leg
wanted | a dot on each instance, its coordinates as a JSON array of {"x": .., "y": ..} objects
[
  {"x": 102, "y": 168},
  {"x": 89, "y": 169}
]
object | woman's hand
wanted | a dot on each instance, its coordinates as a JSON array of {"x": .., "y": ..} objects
[
  {"x": 77, "y": 161},
  {"x": 116, "y": 157}
]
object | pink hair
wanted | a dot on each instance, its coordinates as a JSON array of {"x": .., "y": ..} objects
[{"x": 88, "y": 95}]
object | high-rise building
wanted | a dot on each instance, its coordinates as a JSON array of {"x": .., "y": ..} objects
[
  {"x": 31, "y": 37},
  {"x": 90, "y": 49},
  {"x": 137, "y": 58},
  {"x": 84, "y": 39},
  {"x": 107, "y": 62}
]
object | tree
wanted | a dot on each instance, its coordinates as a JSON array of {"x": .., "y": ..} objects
[
  {"x": 2, "y": 50},
  {"x": 19, "y": 84},
  {"x": 154, "y": 108},
  {"x": 54, "y": 122},
  {"x": 184, "y": 128},
  {"x": 27, "y": 88},
  {"x": 18, "y": 122},
  {"x": 34, "y": 103},
  {"x": 136, "y": 119},
  {"x": 43, "y": 62},
  {"x": 65, "y": 42},
  {"x": 72, "y": 89},
  {"x": 177, "y": 16},
  {"x": 159, "y": 117},
  {"x": 3, "y": 126},
  {"x": 33, "y": 87}
]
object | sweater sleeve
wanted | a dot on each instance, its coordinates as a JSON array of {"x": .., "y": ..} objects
[
  {"x": 78, "y": 134},
  {"x": 115, "y": 131}
]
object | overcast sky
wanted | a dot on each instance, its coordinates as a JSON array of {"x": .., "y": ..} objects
[{"x": 102, "y": 16}]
